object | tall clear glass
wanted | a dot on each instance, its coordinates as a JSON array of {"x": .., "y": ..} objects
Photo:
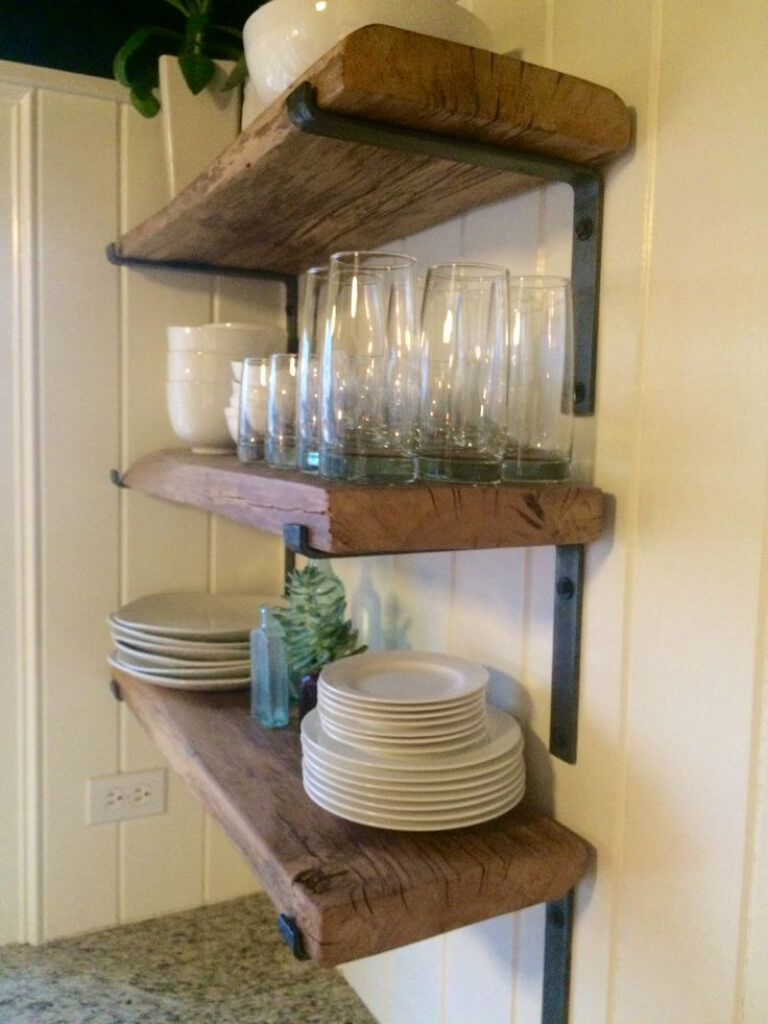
[
  {"x": 368, "y": 374},
  {"x": 311, "y": 332},
  {"x": 252, "y": 418},
  {"x": 464, "y": 329},
  {"x": 540, "y": 398},
  {"x": 281, "y": 411}
]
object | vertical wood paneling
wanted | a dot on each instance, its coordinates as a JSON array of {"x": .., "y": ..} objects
[
  {"x": 77, "y": 303},
  {"x": 697, "y": 576},
  {"x": 11, "y": 540}
]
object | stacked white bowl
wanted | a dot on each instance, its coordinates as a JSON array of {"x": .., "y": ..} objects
[
  {"x": 200, "y": 385},
  {"x": 404, "y": 740}
]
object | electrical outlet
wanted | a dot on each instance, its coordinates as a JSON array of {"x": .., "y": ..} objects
[{"x": 131, "y": 795}]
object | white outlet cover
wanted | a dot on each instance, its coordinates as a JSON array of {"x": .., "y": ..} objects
[{"x": 122, "y": 797}]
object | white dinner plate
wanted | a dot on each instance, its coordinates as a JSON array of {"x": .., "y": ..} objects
[
  {"x": 404, "y": 677},
  {"x": 502, "y": 767},
  {"x": 418, "y": 798},
  {"x": 418, "y": 823},
  {"x": 427, "y": 809},
  {"x": 140, "y": 659},
  {"x": 406, "y": 724},
  {"x": 504, "y": 735},
  {"x": 406, "y": 716},
  {"x": 398, "y": 712},
  {"x": 212, "y": 671},
  {"x": 237, "y": 683},
  {"x": 402, "y": 730},
  {"x": 154, "y": 644},
  {"x": 403, "y": 746},
  {"x": 194, "y": 615}
]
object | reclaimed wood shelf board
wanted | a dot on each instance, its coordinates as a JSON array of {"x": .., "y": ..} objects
[
  {"x": 352, "y": 890},
  {"x": 282, "y": 199},
  {"x": 344, "y": 518}
]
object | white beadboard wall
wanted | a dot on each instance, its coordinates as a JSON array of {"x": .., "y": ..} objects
[{"x": 672, "y": 780}]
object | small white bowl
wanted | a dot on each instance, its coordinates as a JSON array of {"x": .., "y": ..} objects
[
  {"x": 285, "y": 37},
  {"x": 237, "y": 340},
  {"x": 233, "y": 418},
  {"x": 199, "y": 366},
  {"x": 196, "y": 412}
]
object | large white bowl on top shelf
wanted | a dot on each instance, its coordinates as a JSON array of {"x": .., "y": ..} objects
[{"x": 285, "y": 37}]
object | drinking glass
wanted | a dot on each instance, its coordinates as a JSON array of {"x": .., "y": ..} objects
[
  {"x": 281, "y": 411},
  {"x": 310, "y": 343},
  {"x": 368, "y": 370},
  {"x": 540, "y": 398},
  {"x": 252, "y": 420},
  {"x": 460, "y": 433}
]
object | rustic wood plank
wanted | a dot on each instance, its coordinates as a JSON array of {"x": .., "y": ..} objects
[
  {"x": 348, "y": 518},
  {"x": 353, "y": 891},
  {"x": 281, "y": 199}
]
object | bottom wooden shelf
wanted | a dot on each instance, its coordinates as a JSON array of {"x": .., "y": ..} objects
[{"x": 353, "y": 891}]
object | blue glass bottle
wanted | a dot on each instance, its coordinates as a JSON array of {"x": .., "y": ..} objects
[{"x": 270, "y": 691}]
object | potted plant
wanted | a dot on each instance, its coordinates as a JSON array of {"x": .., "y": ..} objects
[
  {"x": 195, "y": 45},
  {"x": 198, "y": 70},
  {"x": 315, "y": 630}
]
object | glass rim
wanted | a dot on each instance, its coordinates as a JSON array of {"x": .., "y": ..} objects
[
  {"x": 538, "y": 281},
  {"x": 471, "y": 269},
  {"x": 254, "y": 360},
  {"x": 352, "y": 258}
]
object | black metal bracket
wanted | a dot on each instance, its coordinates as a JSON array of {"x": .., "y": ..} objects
[
  {"x": 558, "y": 935},
  {"x": 116, "y": 478},
  {"x": 291, "y": 936},
  {"x": 115, "y": 690},
  {"x": 289, "y": 280},
  {"x": 587, "y": 187},
  {"x": 566, "y": 651}
]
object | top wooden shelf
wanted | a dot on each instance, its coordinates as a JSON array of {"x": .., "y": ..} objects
[
  {"x": 415, "y": 130},
  {"x": 345, "y": 518}
]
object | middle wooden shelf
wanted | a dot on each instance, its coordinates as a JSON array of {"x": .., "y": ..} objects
[{"x": 345, "y": 518}]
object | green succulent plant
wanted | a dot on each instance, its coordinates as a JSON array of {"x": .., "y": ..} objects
[
  {"x": 315, "y": 631},
  {"x": 196, "y": 45}
]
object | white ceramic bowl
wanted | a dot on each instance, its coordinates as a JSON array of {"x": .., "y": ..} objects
[
  {"x": 284, "y": 37},
  {"x": 237, "y": 340},
  {"x": 232, "y": 416},
  {"x": 196, "y": 411},
  {"x": 199, "y": 366}
]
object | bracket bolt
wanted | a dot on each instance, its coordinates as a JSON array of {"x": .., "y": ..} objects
[
  {"x": 565, "y": 588},
  {"x": 556, "y": 917},
  {"x": 584, "y": 228}
]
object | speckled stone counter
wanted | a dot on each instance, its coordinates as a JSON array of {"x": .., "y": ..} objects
[{"x": 219, "y": 965}]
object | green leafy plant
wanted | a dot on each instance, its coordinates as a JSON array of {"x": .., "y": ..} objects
[
  {"x": 196, "y": 45},
  {"x": 315, "y": 631}
]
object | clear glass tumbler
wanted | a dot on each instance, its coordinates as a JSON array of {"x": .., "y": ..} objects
[
  {"x": 464, "y": 329},
  {"x": 310, "y": 343},
  {"x": 368, "y": 373},
  {"x": 540, "y": 397},
  {"x": 281, "y": 411},
  {"x": 252, "y": 419}
]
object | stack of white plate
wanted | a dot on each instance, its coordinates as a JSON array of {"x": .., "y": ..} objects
[
  {"x": 192, "y": 641},
  {"x": 404, "y": 740}
]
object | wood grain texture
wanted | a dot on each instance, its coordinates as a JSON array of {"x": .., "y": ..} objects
[
  {"x": 352, "y": 890},
  {"x": 349, "y": 518},
  {"x": 281, "y": 199}
]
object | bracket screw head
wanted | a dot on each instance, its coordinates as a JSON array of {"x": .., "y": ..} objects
[
  {"x": 565, "y": 588},
  {"x": 584, "y": 228}
]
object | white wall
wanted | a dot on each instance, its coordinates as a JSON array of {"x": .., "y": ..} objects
[
  {"x": 82, "y": 374},
  {"x": 671, "y": 781}
]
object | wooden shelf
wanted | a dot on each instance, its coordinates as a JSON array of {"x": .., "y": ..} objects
[
  {"x": 345, "y": 518},
  {"x": 353, "y": 891},
  {"x": 281, "y": 198}
]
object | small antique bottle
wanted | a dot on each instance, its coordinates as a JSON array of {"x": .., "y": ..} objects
[{"x": 270, "y": 694}]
